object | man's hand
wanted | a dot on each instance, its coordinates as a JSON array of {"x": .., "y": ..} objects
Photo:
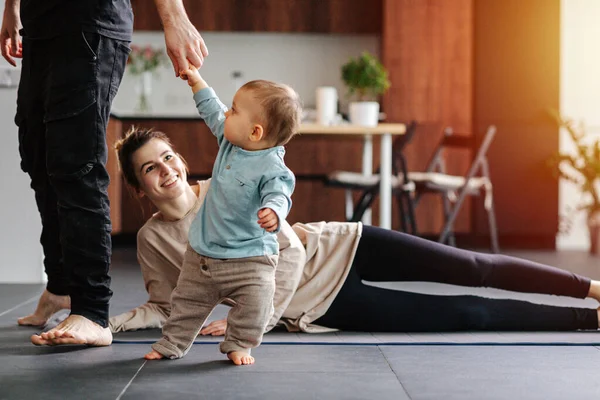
[
  {"x": 215, "y": 328},
  {"x": 267, "y": 219},
  {"x": 185, "y": 46},
  {"x": 10, "y": 40}
]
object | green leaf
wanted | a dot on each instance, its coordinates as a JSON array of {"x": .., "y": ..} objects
[{"x": 365, "y": 77}]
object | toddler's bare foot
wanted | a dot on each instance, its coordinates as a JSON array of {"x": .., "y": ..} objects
[
  {"x": 47, "y": 305},
  {"x": 75, "y": 329},
  {"x": 153, "y": 355},
  {"x": 240, "y": 358}
]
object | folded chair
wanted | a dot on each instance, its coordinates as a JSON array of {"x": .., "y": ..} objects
[
  {"x": 402, "y": 188},
  {"x": 454, "y": 189}
]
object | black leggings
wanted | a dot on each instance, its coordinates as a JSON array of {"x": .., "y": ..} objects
[{"x": 387, "y": 256}]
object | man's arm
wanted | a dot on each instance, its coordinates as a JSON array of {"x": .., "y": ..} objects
[
  {"x": 10, "y": 40},
  {"x": 184, "y": 43}
]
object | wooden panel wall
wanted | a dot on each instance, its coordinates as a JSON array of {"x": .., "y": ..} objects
[
  {"x": 427, "y": 46},
  {"x": 319, "y": 16},
  {"x": 517, "y": 58}
]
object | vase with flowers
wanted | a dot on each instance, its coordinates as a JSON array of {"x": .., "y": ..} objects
[{"x": 143, "y": 63}]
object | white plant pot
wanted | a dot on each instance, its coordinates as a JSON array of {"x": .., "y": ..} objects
[{"x": 364, "y": 113}]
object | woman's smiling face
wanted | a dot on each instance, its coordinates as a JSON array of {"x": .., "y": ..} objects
[{"x": 160, "y": 171}]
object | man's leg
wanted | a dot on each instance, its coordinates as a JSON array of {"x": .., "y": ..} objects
[
  {"x": 84, "y": 80},
  {"x": 32, "y": 148}
]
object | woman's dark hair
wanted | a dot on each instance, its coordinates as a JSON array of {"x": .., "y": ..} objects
[{"x": 133, "y": 140}]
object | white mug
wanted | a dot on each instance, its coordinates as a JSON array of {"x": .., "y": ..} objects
[{"x": 327, "y": 99}]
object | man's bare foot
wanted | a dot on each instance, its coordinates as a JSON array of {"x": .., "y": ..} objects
[
  {"x": 75, "y": 329},
  {"x": 47, "y": 306},
  {"x": 240, "y": 358},
  {"x": 153, "y": 355}
]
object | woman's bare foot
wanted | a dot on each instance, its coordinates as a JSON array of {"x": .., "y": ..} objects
[
  {"x": 240, "y": 358},
  {"x": 594, "y": 291},
  {"x": 47, "y": 305},
  {"x": 75, "y": 329},
  {"x": 153, "y": 355}
]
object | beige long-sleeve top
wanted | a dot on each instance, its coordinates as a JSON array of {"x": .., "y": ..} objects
[{"x": 314, "y": 261}]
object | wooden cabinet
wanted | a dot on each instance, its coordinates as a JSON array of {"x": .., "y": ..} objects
[
  {"x": 469, "y": 64},
  {"x": 311, "y": 157},
  {"x": 427, "y": 49},
  {"x": 318, "y": 16}
]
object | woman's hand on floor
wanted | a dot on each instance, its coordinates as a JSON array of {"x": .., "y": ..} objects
[{"x": 215, "y": 328}]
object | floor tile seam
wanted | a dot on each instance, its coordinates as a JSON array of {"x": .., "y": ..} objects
[
  {"x": 131, "y": 380},
  {"x": 393, "y": 371},
  {"x": 31, "y": 300}
]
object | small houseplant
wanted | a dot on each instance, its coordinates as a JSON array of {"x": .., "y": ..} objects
[
  {"x": 366, "y": 79},
  {"x": 582, "y": 168},
  {"x": 143, "y": 62}
]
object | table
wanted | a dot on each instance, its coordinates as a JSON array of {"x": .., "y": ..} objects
[{"x": 386, "y": 131}]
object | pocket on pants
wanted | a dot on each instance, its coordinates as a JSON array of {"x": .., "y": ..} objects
[
  {"x": 68, "y": 103},
  {"x": 271, "y": 260},
  {"x": 72, "y": 132},
  {"x": 121, "y": 55}
]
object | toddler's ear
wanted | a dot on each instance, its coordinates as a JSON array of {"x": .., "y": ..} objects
[{"x": 257, "y": 133}]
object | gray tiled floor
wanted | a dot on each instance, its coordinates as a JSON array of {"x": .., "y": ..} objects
[
  {"x": 457, "y": 372},
  {"x": 290, "y": 372}
]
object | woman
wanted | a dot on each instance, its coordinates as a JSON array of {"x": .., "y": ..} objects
[{"x": 322, "y": 265}]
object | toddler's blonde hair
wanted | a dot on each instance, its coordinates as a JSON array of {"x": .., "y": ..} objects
[{"x": 282, "y": 109}]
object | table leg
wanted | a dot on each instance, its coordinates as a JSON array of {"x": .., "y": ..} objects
[
  {"x": 385, "y": 189},
  {"x": 367, "y": 170}
]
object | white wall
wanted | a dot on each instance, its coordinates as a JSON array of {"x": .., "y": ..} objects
[
  {"x": 304, "y": 61},
  {"x": 579, "y": 95},
  {"x": 20, "y": 252}
]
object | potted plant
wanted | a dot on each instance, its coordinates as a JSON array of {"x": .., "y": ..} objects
[
  {"x": 582, "y": 168},
  {"x": 143, "y": 62},
  {"x": 366, "y": 79}
]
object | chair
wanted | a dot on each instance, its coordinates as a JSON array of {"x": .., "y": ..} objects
[
  {"x": 454, "y": 189},
  {"x": 402, "y": 188}
]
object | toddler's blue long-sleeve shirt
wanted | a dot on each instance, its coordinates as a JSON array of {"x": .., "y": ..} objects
[{"x": 243, "y": 182}]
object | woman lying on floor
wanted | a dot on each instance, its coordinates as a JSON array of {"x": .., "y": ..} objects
[{"x": 322, "y": 266}]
